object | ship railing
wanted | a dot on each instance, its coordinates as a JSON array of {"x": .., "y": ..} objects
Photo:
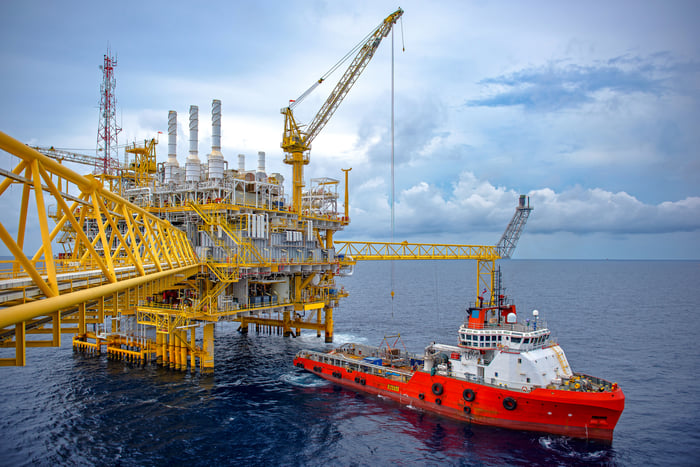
[
  {"x": 527, "y": 326},
  {"x": 396, "y": 374},
  {"x": 594, "y": 379},
  {"x": 474, "y": 378}
]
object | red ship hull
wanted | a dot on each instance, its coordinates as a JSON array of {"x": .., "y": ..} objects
[{"x": 586, "y": 415}]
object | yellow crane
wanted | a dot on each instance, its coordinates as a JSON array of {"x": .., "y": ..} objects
[{"x": 296, "y": 142}]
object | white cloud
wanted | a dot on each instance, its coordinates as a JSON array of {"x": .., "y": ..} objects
[{"x": 472, "y": 205}]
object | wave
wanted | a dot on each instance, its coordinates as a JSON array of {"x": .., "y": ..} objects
[
  {"x": 562, "y": 446},
  {"x": 303, "y": 380},
  {"x": 344, "y": 338}
]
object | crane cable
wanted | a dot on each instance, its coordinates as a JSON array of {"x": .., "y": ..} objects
[
  {"x": 393, "y": 185},
  {"x": 392, "y": 168},
  {"x": 340, "y": 62}
]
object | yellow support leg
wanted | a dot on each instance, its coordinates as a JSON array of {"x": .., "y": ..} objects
[
  {"x": 171, "y": 351},
  {"x": 207, "y": 361},
  {"x": 183, "y": 350},
  {"x": 318, "y": 321},
  {"x": 159, "y": 348},
  {"x": 329, "y": 324},
  {"x": 56, "y": 329},
  {"x": 176, "y": 349},
  {"x": 82, "y": 329},
  {"x": 193, "y": 334},
  {"x": 20, "y": 344},
  {"x": 287, "y": 324}
]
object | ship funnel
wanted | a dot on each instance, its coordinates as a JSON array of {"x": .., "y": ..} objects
[
  {"x": 216, "y": 159},
  {"x": 171, "y": 165},
  {"x": 241, "y": 162}
]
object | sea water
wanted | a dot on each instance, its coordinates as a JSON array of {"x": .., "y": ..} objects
[{"x": 632, "y": 322}]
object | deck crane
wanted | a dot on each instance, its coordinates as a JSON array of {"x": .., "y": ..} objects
[{"x": 296, "y": 142}]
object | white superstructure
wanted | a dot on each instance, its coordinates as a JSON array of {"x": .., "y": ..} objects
[{"x": 501, "y": 352}]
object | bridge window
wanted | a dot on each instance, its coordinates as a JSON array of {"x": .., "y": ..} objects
[{"x": 515, "y": 340}]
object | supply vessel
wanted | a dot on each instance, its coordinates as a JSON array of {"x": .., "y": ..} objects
[{"x": 504, "y": 371}]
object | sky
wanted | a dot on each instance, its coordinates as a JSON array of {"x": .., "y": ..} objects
[{"x": 589, "y": 108}]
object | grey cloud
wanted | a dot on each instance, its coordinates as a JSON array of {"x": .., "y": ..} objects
[
  {"x": 420, "y": 122},
  {"x": 558, "y": 86}
]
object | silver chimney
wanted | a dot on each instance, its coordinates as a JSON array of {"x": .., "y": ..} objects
[
  {"x": 192, "y": 166},
  {"x": 216, "y": 159},
  {"x": 171, "y": 165}
]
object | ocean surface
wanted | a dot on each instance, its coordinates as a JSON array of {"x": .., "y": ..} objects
[{"x": 633, "y": 322}]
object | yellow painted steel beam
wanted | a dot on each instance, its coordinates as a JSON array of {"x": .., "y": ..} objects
[
  {"x": 485, "y": 255},
  {"x": 30, "y": 310},
  {"x": 485, "y": 282},
  {"x": 307, "y": 281},
  {"x": 292, "y": 323},
  {"x": 24, "y": 208},
  {"x": 44, "y": 227},
  {"x": 160, "y": 241},
  {"x": 122, "y": 246},
  {"x": 16, "y": 171},
  {"x": 374, "y": 251},
  {"x": 25, "y": 263},
  {"x": 68, "y": 215}
]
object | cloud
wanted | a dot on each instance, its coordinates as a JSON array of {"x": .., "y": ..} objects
[
  {"x": 473, "y": 205},
  {"x": 585, "y": 211},
  {"x": 420, "y": 123},
  {"x": 558, "y": 86}
]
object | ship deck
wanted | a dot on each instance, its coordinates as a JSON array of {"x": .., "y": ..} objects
[{"x": 400, "y": 366}]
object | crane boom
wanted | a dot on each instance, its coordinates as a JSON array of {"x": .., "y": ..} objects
[
  {"x": 353, "y": 72},
  {"x": 509, "y": 239},
  {"x": 296, "y": 142},
  {"x": 62, "y": 155}
]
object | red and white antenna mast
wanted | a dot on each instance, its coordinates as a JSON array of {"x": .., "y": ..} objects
[{"x": 107, "y": 131}]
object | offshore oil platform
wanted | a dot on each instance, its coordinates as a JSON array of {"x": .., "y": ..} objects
[{"x": 153, "y": 255}]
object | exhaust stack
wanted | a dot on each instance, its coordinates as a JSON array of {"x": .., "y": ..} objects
[
  {"x": 260, "y": 175},
  {"x": 192, "y": 166},
  {"x": 172, "y": 165},
  {"x": 216, "y": 159},
  {"x": 261, "y": 161}
]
